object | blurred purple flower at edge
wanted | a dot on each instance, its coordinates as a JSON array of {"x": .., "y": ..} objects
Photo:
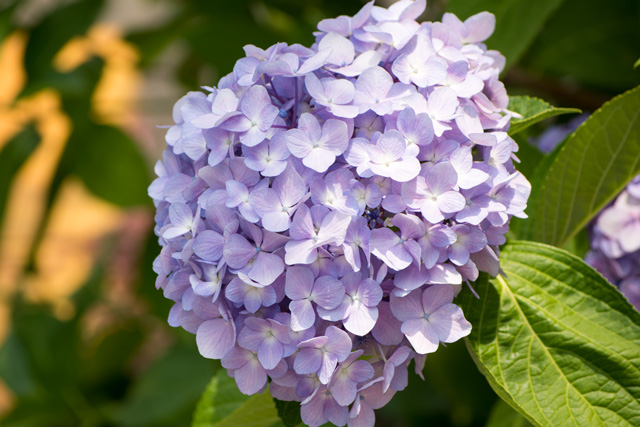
[{"x": 319, "y": 209}]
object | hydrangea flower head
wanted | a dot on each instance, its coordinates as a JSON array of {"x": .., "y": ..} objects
[
  {"x": 319, "y": 209},
  {"x": 615, "y": 242}
]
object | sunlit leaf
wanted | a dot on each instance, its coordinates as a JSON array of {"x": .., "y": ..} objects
[
  {"x": 222, "y": 404},
  {"x": 583, "y": 175},
  {"x": 556, "y": 340}
]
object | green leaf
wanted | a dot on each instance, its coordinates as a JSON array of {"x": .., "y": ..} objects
[
  {"x": 222, "y": 404},
  {"x": 503, "y": 415},
  {"x": 110, "y": 164},
  {"x": 532, "y": 111},
  {"x": 556, "y": 340},
  {"x": 167, "y": 393},
  {"x": 289, "y": 412},
  {"x": 637, "y": 64},
  {"x": 518, "y": 22},
  {"x": 586, "y": 172}
]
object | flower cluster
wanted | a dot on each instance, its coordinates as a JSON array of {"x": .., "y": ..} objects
[
  {"x": 615, "y": 242},
  {"x": 320, "y": 208}
]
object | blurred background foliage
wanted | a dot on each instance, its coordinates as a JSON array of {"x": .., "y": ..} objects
[{"x": 83, "y": 85}]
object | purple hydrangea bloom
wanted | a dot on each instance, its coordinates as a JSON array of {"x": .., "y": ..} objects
[
  {"x": 434, "y": 194},
  {"x": 275, "y": 205},
  {"x": 428, "y": 317},
  {"x": 615, "y": 242},
  {"x": 320, "y": 355},
  {"x": 317, "y": 146},
  {"x": 358, "y": 310},
  {"x": 267, "y": 337},
  {"x": 303, "y": 290},
  {"x": 318, "y": 208},
  {"x": 350, "y": 373}
]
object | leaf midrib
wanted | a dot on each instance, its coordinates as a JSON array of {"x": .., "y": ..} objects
[
  {"x": 556, "y": 300},
  {"x": 584, "y": 339},
  {"x": 506, "y": 288}
]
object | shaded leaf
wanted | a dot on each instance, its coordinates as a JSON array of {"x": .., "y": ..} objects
[
  {"x": 110, "y": 165},
  {"x": 503, "y": 415},
  {"x": 556, "y": 340},
  {"x": 166, "y": 394},
  {"x": 532, "y": 111},
  {"x": 289, "y": 412},
  {"x": 518, "y": 22},
  {"x": 456, "y": 390},
  {"x": 586, "y": 172}
]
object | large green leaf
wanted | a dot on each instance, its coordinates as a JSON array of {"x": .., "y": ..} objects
[
  {"x": 556, "y": 340},
  {"x": 532, "y": 111},
  {"x": 518, "y": 22},
  {"x": 586, "y": 173},
  {"x": 222, "y": 404}
]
